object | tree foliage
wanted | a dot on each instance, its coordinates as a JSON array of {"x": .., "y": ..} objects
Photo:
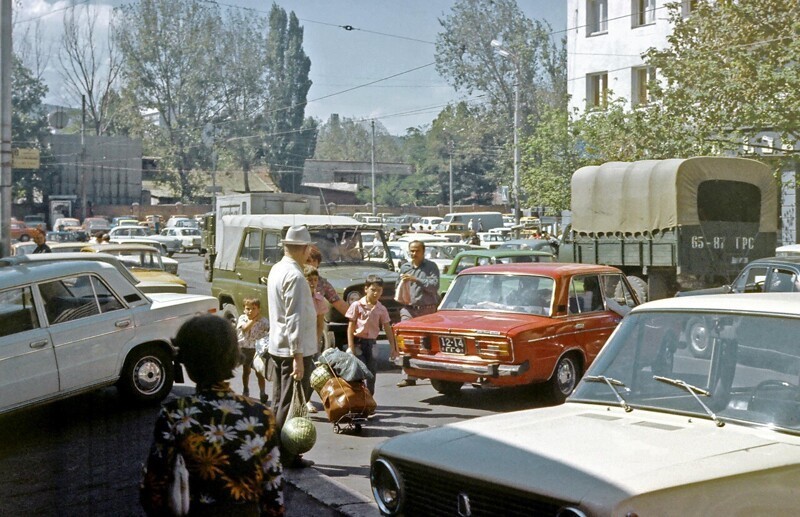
[
  {"x": 342, "y": 138},
  {"x": 290, "y": 137},
  {"x": 731, "y": 69},
  {"x": 170, "y": 54}
]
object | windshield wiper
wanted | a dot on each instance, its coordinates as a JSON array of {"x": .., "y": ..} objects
[
  {"x": 612, "y": 383},
  {"x": 694, "y": 391}
]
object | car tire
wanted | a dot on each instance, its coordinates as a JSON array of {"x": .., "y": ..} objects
[
  {"x": 230, "y": 313},
  {"x": 24, "y": 237},
  {"x": 147, "y": 375},
  {"x": 697, "y": 338},
  {"x": 170, "y": 254},
  {"x": 447, "y": 388},
  {"x": 565, "y": 378}
]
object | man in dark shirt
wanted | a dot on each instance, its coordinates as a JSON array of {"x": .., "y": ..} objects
[
  {"x": 424, "y": 289},
  {"x": 38, "y": 238}
]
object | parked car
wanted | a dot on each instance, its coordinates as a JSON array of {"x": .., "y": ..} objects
[
  {"x": 516, "y": 324},
  {"x": 20, "y": 231},
  {"x": 491, "y": 240},
  {"x": 67, "y": 326},
  {"x": 64, "y": 237},
  {"x": 481, "y": 257},
  {"x": 35, "y": 221},
  {"x": 146, "y": 265},
  {"x": 24, "y": 247},
  {"x": 530, "y": 244},
  {"x": 650, "y": 430},
  {"x": 183, "y": 222},
  {"x": 191, "y": 238},
  {"x": 172, "y": 244},
  {"x": 426, "y": 224},
  {"x": 789, "y": 250},
  {"x": 66, "y": 224},
  {"x": 96, "y": 225},
  {"x": 125, "y": 220},
  {"x": 170, "y": 264}
]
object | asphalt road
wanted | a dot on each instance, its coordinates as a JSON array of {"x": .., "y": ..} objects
[{"x": 83, "y": 456}]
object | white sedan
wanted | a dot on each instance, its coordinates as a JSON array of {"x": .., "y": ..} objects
[
  {"x": 67, "y": 326},
  {"x": 190, "y": 238},
  {"x": 650, "y": 429}
]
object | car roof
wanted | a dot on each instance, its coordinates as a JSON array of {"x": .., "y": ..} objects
[
  {"x": 120, "y": 247},
  {"x": 541, "y": 268},
  {"x": 762, "y": 303},
  {"x": 793, "y": 260},
  {"x": 33, "y": 268},
  {"x": 499, "y": 253},
  {"x": 68, "y": 258}
]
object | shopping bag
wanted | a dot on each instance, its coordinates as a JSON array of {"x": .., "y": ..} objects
[{"x": 340, "y": 397}]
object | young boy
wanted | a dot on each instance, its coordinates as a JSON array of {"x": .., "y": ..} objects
[
  {"x": 366, "y": 316},
  {"x": 251, "y": 327},
  {"x": 321, "y": 308}
]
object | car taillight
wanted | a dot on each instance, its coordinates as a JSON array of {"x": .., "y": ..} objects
[
  {"x": 493, "y": 348},
  {"x": 413, "y": 343}
]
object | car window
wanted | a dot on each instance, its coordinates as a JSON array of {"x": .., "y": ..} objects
[
  {"x": 615, "y": 289},
  {"x": 464, "y": 263},
  {"x": 784, "y": 281},
  {"x": 17, "y": 311},
  {"x": 273, "y": 251},
  {"x": 585, "y": 295},
  {"x": 76, "y": 297},
  {"x": 751, "y": 281},
  {"x": 251, "y": 246}
]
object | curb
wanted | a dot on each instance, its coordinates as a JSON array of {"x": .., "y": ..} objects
[{"x": 331, "y": 493}]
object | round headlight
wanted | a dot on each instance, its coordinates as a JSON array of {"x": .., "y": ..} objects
[
  {"x": 386, "y": 487},
  {"x": 352, "y": 296}
]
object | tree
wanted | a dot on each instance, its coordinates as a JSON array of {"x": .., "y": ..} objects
[
  {"x": 290, "y": 137},
  {"x": 349, "y": 139},
  {"x": 730, "y": 70},
  {"x": 28, "y": 130},
  {"x": 465, "y": 56},
  {"x": 88, "y": 71},
  {"x": 240, "y": 129},
  {"x": 171, "y": 58}
]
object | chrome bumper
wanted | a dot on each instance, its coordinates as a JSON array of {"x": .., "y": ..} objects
[{"x": 481, "y": 370}]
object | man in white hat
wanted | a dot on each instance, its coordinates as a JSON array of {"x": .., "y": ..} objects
[{"x": 292, "y": 328}]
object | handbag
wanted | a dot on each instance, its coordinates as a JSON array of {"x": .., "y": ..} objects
[
  {"x": 260, "y": 366},
  {"x": 403, "y": 293},
  {"x": 178, "y": 489}
]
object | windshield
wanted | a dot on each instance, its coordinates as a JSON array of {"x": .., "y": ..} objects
[
  {"x": 444, "y": 252},
  {"x": 747, "y": 364},
  {"x": 348, "y": 245},
  {"x": 525, "y": 294}
]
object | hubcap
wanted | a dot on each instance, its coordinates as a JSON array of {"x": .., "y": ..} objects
[
  {"x": 699, "y": 337},
  {"x": 148, "y": 375},
  {"x": 566, "y": 377}
]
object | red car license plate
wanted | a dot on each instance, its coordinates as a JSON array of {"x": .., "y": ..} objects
[{"x": 451, "y": 345}]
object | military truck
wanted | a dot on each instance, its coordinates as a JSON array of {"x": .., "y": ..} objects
[
  {"x": 673, "y": 225},
  {"x": 249, "y": 245}
]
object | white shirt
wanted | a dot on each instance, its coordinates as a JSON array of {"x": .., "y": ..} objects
[{"x": 292, "y": 318}]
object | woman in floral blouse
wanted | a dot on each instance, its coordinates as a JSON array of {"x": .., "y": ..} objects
[{"x": 229, "y": 442}]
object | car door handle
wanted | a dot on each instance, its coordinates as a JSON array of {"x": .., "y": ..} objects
[
  {"x": 580, "y": 325},
  {"x": 263, "y": 280},
  {"x": 39, "y": 344},
  {"x": 123, "y": 324},
  {"x": 239, "y": 275}
]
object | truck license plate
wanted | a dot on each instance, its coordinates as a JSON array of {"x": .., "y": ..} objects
[{"x": 451, "y": 345}]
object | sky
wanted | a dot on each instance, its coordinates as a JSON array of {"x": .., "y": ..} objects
[{"x": 388, "y": 40}]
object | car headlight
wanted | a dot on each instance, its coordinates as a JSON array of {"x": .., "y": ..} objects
[
  {"x": 352, "y": 296},
  {"x": 387, "y": 487}
]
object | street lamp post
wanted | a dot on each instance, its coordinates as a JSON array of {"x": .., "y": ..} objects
[{"x": 505, "y": 53}]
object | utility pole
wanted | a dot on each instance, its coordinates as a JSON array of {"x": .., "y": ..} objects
[
  {"x": 374, "y": 208},
  {"x": 83, "y": 156},
  {"x": 515, "y": 61},
  {"x": 5, "y": 127},
  {"x": 451, "y": 176}
]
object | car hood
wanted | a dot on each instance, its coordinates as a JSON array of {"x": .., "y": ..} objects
[
  {"x": 346, "y": 275},
  {"x": 594, "y": 455},
  {"x": 471, "y": 320}
]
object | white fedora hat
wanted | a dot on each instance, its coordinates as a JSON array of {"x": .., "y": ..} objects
[{"x": 297, "y": 235}]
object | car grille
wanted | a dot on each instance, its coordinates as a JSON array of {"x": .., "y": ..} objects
[{"x": 436, "y": 493}]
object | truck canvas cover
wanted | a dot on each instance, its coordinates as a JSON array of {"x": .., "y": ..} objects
[
  {"x": 229, "y": 233},
  {"x": 645, "y": 197}
]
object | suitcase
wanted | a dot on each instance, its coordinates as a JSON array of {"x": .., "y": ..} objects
[{"x": 347, "y": 404}]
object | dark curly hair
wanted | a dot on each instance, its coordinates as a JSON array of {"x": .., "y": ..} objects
[{"x": 208, "y": 347}]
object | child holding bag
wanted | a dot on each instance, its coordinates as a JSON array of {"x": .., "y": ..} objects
[{"x": 250, "y": 328}]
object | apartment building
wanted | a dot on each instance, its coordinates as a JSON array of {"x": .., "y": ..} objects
[{"x": 605, "y": 43}]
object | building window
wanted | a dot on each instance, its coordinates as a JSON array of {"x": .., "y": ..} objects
[
  {"x": 597, "y": 90},
  {"x": 596, "y": 16},
  {"x": 688, "y": 7},
  {"x": 642, "y": 78},
  {"x": 643, "y": 12}
]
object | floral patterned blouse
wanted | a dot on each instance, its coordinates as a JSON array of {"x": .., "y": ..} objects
[{"x": 230, "y": 445}]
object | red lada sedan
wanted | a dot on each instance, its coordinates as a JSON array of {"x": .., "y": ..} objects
[{"x": 514, "y": 324}]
